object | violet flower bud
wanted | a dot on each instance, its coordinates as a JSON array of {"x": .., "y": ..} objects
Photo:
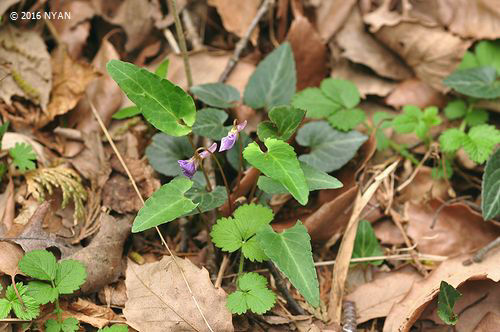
[
  {"x": 228, "y": 141},
  {"x": 190, "y": 165}
]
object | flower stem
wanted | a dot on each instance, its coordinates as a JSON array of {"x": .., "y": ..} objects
[
  {"x": 209, "y": 186},
  {"x": 172, "y": 4},
  {"x": 240, "y": 169},
  {"x": 226, "y": 184}
]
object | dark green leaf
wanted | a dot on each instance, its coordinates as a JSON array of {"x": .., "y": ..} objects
[
  {"x": 284, "y": 122},
  {"x": 206, "y": 200},
  {"x": 165, "y": 150},
  {"x": 366, "y": 243},
  {"x": 216, "y": 94},
  {"x": 477, "y": 82},
  {"x": 490, "y": 194},
  {"x": 210, "y": 123},
  {"x": 3, "y": 130},
  {"x": 447, "y": 297}
]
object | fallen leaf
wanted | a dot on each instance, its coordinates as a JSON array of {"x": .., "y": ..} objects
[
  {"x": 388, "y": 233},
  {"x": 406, "y": 312},
  {"x": 119, "y": 195},
  {"x": 424, "y": 186},
  {"x": 331, "y": 15},
  {"x": 115, "y": 295},
  {"x": 160, "y": 287},
  {"x": 10, "y": 254},
  {"x": 237, "y": 16},
  {"x": 6, "y": 4},
  {"x": 415, "y": 92},
  {"x": 7, "y": 207},
  {"x": 488, "y": 323},
  {"x": 90, "y": 313}
]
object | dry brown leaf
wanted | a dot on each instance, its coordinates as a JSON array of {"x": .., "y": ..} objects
[
  {"x": 4, "y": 5},
  {"x": 388, "y": 233},
  {"x": 7, "y": 207},
  {"x": 361, "y": 47},
  {"x": 160, "y": 288},
  {"x": 375, "y": 299},
  {"x": 90, "y": 313},
  {"x": 309, "y": 52},
  {"x": 331, "y": 15},
  {"x": 424, "y": 187},
  {"x": 457, "y": 229},
  {"x": 488, "y": 323},
  {"x": 406, "y": 312},
  {"x": 10, "y": 254},
  {"x": 119, "y": 195},
  {"x": 115, "y": 295},
  {"x": 93, "y": 162},
  {"x": 415, "y": 92}
]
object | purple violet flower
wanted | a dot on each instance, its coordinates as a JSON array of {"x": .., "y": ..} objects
[
  {"x": 228, "y": 142},
  {"x": 190, "y": 165}
]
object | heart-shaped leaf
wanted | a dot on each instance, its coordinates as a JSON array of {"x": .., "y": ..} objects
[
  {"x": 216, "y": 94},
  {"x": 284, "y": 122},
  {"x": 490, "y": 202},
  {"x": 210, "y": 123},
  {"x": 165, "y": 150}
]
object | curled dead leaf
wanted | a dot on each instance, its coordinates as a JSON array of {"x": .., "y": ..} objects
[
  {"x": 10, "y": 254},
  {"x": 415, "y": 92},
  {"x": 331, "y": 15}
]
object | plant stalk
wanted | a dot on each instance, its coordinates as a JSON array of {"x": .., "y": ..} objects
[
  {"x": 172, "y": 4},
  {"x": 226, "y": 184}
]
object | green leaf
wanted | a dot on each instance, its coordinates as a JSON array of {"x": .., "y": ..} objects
[
  {"x": 273, "y": 81},
  {"x": 42, "y": 292},
  {"x": 23, "y": 156},
  {"x": 71, "y": 274},
  {"x": 217, "y": 94},
  {"x": 452, "y": 139},
  {"x": 252, "y": 294},
  {"x": 490, "y": 193},
  {"x": 330, "y": 149},
  {"x": 280, "y": 163},
  {"x": 164, "y": 152},
  {"x": 39, "y": 264},
  {"x": 5, "y": 308},
  {"x": 477, "y": 117},
  {"x": 455, "y": 109},
  {"x": 382, "y": 120},
  {"x": 447, "y": 297},
  {"x": 27, "y": 310},
  {"x": 468, "y": 61},
  {"x": 206, "y": 200},
  {"x": 438, "y": 172},
  {"x": 115, "y": 328},
  {"x": 126, "y": 113},
  {"x": 347, "y": 119},
  {"x": 233, "y": 155},
  {"x": 52, "y": 325},
  {"x": 341, "y": 91},
  {"x": 231, "y": 234},
  {"x": 162, "y": 69},
  {"x": 3, "y": 130},
  {"x": 408, "y": 121},
  {"x": 315, "y": 179},
  {"x": 480, "y": 142},
  {"x": 291, "y": 252},
  {"x": 488, "y": 54},
  {"x": 165, "y": 105},
  {"x": 477, "y": 82},
  {"x": 315, "y": 103},
  {"x": 366, "y": 243},
  {"x": 166, "y": 204},
  {"x": 210, "y": 123},
  {"x": 431, "y": 117},
  {"x": 284, "y": 122}
]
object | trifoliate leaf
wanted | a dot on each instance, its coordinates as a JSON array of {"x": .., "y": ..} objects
[
  {"x": 162, "y": 69},
  {"x": 488, "y": 53},
  {"x": 210, "y": 123},
  {"x": 233, "y": 155},
  {"x": 71, "y": 274},
  {"x": 70, "y": 325},
  {"x": 5, "y": 308},
  {"x": 408, "y": 121},
  {"x": 490, "y": 193},
  {"x": 206, "y": 200},
  {"x": 447, "y": 297},
  {"x": 273, "y": 81},
  {"x": 27, "y": 310},
  {"x": 455, "y": 109},
  {"x": 452, "y": 139},
  {"x": 216, "y": 94},
  {"x": 252, "y": 294},
  {"x": 23, "y": 156},
  {"x": 316, "y": 104},
  {"x": 366, "y": 243},
  {"x": 284, "y": 122},
  {"x": 477, "y": 82},
  {"x": 164, "y": 152},
  {"x": 165, "y": 105},
  {"x": 126, "y": 113},
  {"x": 280, "y": 163},
  {"x": 480, "y": 142},
  {"x": 166, "y": 204},
  {"x": 42, "y": 292},
  {"x": 341, "y": 91},
  {"x": 115, "y": 328},
  {"x": 477, "y": 117},
  {"x": 347, "y": 119},
  {"x": 431, "y": 117},
  {"x": 39, "y": 264},
  {"x": 330, "y": 149}
]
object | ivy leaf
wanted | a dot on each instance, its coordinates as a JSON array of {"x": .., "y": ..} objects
[
  {"x": 126, "y": 113},
  {"x": 347, "y": 119},
  {"x": 39, "y": 264},
  {"x": 366, "y": 243},
  {"x": 23, "y": 156},
  {"x": 455, "y": 109},
  {"x": 490, "y": 193},
  {"x": 477, "y": 82},
  {"x": 330, "y": 149},
  {"x": 452, "y": 139},
  {"x": 233, "y": 155},
  {"x": 480, "y": 142},
  {"x": 206, "y": 200},
  {"x": 42, "y": 292},
  {"x": 284, "y": 122},
  {"x": 217, "y": 94},
  {"x": 447, "y": 297},
  {"x": 316, "y": 104},
  {"x": 280, "y": 163},
  {"x": 165, "y": 105},
  {"x": 166, "y": 204},
  {"x": 210, "y": 123},
  {"x": 27, "y": 310},
  {"x": 71, "y": 274},
  {"x": 252, "y": 294},
  {"x": 292, "y": 253},
  {"x": 115, "y": 328},
  {"x": 164, "y": 152},
  {"x": 273, "y": 81},
  {"x": 341, "y": 91},
  {"x": 477, "y": 117}
]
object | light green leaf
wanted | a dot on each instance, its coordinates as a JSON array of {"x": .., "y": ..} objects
[
  {"x": 444, "y": 169},
  {"x": 70, "y": 324},
  {"x": 206, "y": 200},
  {"x": 3, "y": 130},
  {"x": 29, "y": 308},
  {"x": 477, "y": 82},
  {"x": 315, "y": 103},
  {"x": 210, "y": 123},
  {"x": 39, "y": 264},
  {"x": 71, "y": 274},
  {"x": 468, "y": 61},
  {"x": 455, "y": 109},
  {"x": 452, "y": 139},
  {"x": 217, "y": 94},
  {"x": 347, "y": 119},
  {"x": 23, "y": 156},
  {"x": 447, "y": 297},
  {"x": 490, "y": 193},
  {"x": 291, "y": 252},
  {"x": 341, "y": 91},
  {"x": 126, "y": 113},
  {"x": 408, "y": 121},
  {"x": 252, "y": 294},
  {"x": 165, "y": 105},
  {"x": 115, "y": 328},
  {"x": 5, "y": 308},
  {"x": 330, "y": 149},
  {"x": 477, "y": 117},
  {"x": 42, "y": 292},
  {"x": 52, "y": 325},
  {"x": 164, "y": 152},
  {"x": 284, "y": 122},
  {"x": 280, "y": 163},
  {"x": 480, "y": 142},
  {"x": 488, "y": 53},
  {"x": 366, "y": 243},
  {"x": 166, "y": 204},
  {"x": 273, "y": 81},
  {"x": 233, "y": 155},
  {"x": 162, "y": 69}
]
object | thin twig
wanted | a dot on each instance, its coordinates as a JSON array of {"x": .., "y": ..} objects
[
  {"x": 172, "y": 4},
  {"x": 280, "y": 284},
  {"x": 134, "y": 185},
  {"x": 479, "y": 255},
  {"x": 222, "y": 269},
  {"x": 191, "y": 31}
]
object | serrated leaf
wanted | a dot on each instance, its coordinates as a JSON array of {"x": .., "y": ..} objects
[
  {"x": 39, "y": 264},
  {"x": 330, "y": 149},
  {"x": 70, "y": 324},
  {"x": 52, "y": 325},
  {"x": 27, "y": 310},
  {"x": 273, "y": 81},
  {"x": 42, "y": 292},
  {"x": 5, "y": 308},
  {"x": 162, "y": 69},
  {"x": 165, "y": 105},
  {"x": 164, "y": 152},
  {"x": 480, "y": 142},
  {"x": 280, "y": 163},
  {"x": 115, "y": 328},
  {"x": 126, "y": 113},
  {"x": 452, "y": 139},
  {"x": 347, "y": 119},
  {"x": 488, "y": 53},
  {"x": 341, "y": 91},
  {"x": 206, "y": 200},
  {"x": 490, "y": 193},
  {"x": 284, "y": 122},
  {"x": 408, "y": 121},
  {"x": 23, "y": 156},
  {"x": 366, "y": 243},
  {"x": 71, "y": 274},
  {"x": 210, "y": 123},
  {"x": 252, "y": 294},
  {"x": 166, "y": 204},
  {"x": 217, "y": 94},
  {"x": 292, "y": 253},
  {"x": 477, "y": 82},
  {"x": 455, "y": 109},
  {"x": 233, "y": 155},
  {"x": 447, "y": 297},
  {"x": 477, "y": 117},
  {"x": 316, "y": 104}
]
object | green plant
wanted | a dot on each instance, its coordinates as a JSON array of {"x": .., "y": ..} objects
[
  {"x": 23, "y": 157},
  {"x": 114, "y": 328},
  {"x": 447, "y": 297}
]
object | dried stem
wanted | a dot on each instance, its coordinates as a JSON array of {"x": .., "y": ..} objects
[
  {"x": 280, "y": 284},
  {"x": 172, "y": 5},
  {"x": 479, "y": 255},
  {"x": 222, "y": 269}
]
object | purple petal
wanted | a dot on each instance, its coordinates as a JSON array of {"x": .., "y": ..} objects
[
  {"x": 208, "y": 151},
  {"x": 227, "y": 142},
  {"x": 241, "y": 126},
  {"x": 188, "y": 167}
]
